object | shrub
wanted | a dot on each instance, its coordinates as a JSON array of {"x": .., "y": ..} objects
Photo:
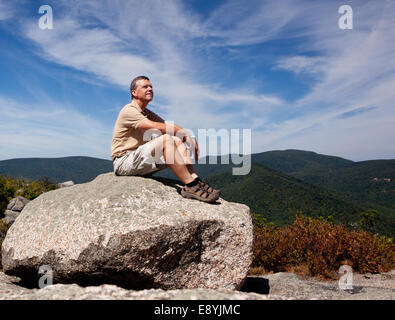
[
  {"x": 3, "y": 231},
  {"x": 6, "y": 193},
  {"x": 367, "y": 220},
  {"x": 29, "y": 189},
  {"x": 320, "y": 246},
  {"x": 370, "y": 253},
  {"x": 260, "y": 221}
]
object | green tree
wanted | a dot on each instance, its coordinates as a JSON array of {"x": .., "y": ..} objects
[
  {"x": 6, "y": 194},
  {"x": 367, "y": 220},
  {"x": 259, "y": 221}
]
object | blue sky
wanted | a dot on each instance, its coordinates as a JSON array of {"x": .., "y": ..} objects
[{"x": 283, "y": 69}]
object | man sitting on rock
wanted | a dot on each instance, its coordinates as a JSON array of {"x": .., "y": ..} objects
[{"x": 134, "y": 152}]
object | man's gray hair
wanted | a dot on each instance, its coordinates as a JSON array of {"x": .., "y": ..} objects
[{"x": 133, "y": 85}]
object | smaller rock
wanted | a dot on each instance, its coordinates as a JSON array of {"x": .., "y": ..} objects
[
  {"x": 65, "y": 184},
  {"x": 14, "y": 208},
  {"x": 17, "y": 204},
  {"x": 10, "y": 216}
]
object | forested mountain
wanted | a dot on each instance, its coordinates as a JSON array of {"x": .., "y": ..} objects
[
  {"x": 294, "y": 161},
  {"x": 279, "y": 184},
  {"x": 77, "y": 169},
  {"x": 278, "y": 196}
]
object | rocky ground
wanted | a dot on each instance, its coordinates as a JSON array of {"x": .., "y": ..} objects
[
  {"x": 10, "y": 290},
  {"x": 278, "y": 286},
  {"x": 292, "y": 286}
]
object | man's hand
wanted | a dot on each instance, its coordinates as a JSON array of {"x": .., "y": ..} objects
[{"x": 196, "y": 148}]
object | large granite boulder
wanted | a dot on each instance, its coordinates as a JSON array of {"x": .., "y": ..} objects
[{"x": 133, "y": 232}]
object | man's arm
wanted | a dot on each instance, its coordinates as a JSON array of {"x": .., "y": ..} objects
[{"x": 164, "y": 127}]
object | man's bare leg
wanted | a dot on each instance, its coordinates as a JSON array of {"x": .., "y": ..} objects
[
  {"x": 184, "y": 152},
  {"x": 177, "y": 158},
  {"x": 166, "y": 145}
]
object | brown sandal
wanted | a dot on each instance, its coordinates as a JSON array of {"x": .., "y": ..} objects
[
  {"x": 208, "y": 188},
  {"x": 197, "y": 192}
]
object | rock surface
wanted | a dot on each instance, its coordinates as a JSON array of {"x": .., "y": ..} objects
[
  {"x": 10, "y": 290},
  {"x": 14, "y": 208},
  {"x": 65, "y": 184},
  {"x": 278, "y": 286},
  {"x": 133, "y": 232},
  {"x": 292, "y": 286}
]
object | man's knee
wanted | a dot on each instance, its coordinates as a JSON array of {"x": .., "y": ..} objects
[
  {"x": 161, "y": 140},
  {"x": 169, "y": 139},
  {"x": 166, "y": 137},
  {"x": 177, "y": 140}
]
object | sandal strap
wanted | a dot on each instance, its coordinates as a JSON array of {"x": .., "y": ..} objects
[
  {"x": 202, "y": 193},
  {"x": 207, "y": 187},
  {"x": 199, "y": 191}
]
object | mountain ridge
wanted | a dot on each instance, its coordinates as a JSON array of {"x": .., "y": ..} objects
[{"x": 367, "y": 185}]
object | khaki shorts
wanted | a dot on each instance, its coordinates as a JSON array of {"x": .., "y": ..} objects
[{"x": 138, "y": 162}]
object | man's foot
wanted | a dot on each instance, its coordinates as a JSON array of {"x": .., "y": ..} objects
[
  {"x": 208, "y": 188},
  {"x": 197, "y": 192}
]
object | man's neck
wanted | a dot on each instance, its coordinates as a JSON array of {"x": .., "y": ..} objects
[{"x": 142, "y": 104}]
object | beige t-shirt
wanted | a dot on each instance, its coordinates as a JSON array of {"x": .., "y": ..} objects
[{"x": 126, "y": 136}]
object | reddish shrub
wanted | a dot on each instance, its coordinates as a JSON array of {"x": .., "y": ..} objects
[{"x": 321, "y": 246}]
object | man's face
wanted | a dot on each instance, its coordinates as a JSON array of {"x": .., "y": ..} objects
[{"x": 143, "y": 91}]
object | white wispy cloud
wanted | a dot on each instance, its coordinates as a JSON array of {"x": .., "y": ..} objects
[
  {"x": 302, "y": 64},
  {"x": 355, "y": 68},
  {"x": 365, "y": 134},
  {"x": 161, "y": 46},
  {"x": 115, "y": 41},
  {"x": 7, "y": 10},
  {"x": 235, "y": 23},
  {"x": 45, "y": 130}
]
